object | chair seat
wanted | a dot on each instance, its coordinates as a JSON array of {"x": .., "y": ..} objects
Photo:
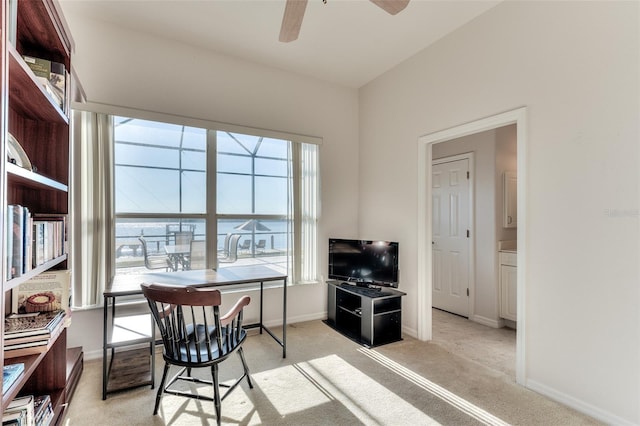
[{"x": 198, "y": 352}]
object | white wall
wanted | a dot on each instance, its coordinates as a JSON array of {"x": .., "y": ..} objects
[
  {"x": 575, "y": 65},
  {"x": 129, "y": 69}
]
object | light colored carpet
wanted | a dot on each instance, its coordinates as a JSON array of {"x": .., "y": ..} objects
[
  {"x": 327, "y": 379},
  {"x": 494, "y": 348}
]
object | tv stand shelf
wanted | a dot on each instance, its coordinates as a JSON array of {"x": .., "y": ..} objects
[{"x": 368, "y": 316}]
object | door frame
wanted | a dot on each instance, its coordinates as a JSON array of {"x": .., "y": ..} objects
[
  {"x": 471, "y": 221},
  {"x": 425, "y": 268}
]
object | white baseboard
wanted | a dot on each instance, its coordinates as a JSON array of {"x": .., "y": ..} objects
[
  {"x": 97, "y": 354},
  {"x": 578, "y": 405},
  {"x": 298, "y": 318},
  {"x": 410, "y": 332},
  {"x": 487, "y": 321}
]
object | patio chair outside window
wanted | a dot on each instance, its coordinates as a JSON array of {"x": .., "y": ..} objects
[
  {"x": 154, "y": 261},
  {"x": 225, "y": 249},
  {"x": 197, "y": 258},
  {"x": 233, "y": 250},
  {"x": 245, "y": 246}
]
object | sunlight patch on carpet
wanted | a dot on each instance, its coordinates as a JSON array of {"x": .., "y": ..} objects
[
  {"x": 437, "y": 390},
  {"x": 331, "y": 380}
]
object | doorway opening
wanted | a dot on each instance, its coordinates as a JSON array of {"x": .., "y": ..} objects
[{"x": 425, "y": 219}]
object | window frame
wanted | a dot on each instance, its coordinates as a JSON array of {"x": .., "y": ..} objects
[{"x": 211, "y": 216}]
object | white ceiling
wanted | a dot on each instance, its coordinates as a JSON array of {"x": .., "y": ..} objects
[{"x": 348, "y": 42}]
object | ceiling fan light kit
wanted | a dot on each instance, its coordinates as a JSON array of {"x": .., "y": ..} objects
[{"x": 294, "y": 13}]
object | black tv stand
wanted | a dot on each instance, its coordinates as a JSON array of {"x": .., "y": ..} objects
[{"x": 370, "y": 316}]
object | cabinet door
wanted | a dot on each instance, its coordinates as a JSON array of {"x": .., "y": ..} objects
[
  {"x": 510, "y": 200},
  {"x": 508, "y": 292}
]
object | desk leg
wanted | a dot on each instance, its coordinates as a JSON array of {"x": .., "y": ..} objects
[
  {"x": 261, "y": 298},
  {"x": 261, "y": 326},
  {"x": 104, "y": 349},
  {"x": 284, "y": 320}
]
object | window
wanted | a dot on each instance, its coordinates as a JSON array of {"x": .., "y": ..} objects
[
  {"x": 261, "y": 188},
  {"x": 159, "y": 194},
  {"x": 253, "y": 209},
  {"x": 151, "y": 195}
]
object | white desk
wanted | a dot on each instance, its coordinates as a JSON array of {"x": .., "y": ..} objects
[{"x": 127, "y": 285}]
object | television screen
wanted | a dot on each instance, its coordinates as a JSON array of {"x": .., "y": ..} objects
[{"x": 364, "y": 262}]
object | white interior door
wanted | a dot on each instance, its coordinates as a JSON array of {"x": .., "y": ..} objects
[{"x": 450, "y": 192}]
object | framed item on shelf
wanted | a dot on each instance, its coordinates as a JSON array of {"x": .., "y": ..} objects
[{"x": 16, "y": 154}]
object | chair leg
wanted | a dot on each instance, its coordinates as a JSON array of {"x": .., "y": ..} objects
[
  {"x": 246, "y": 368},
  {"x": 161, "y": 388},
  {"x": 216, "y": 392}
]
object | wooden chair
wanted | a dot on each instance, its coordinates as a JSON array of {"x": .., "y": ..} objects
[
  {"x": 195, "y": 335},
  {"x": 154, "y": 261}
]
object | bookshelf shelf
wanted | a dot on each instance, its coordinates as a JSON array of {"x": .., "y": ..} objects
[
  {"x": 31, "y": 364},
  {"x": 21, "y": 176},
  {"x": 13, "y": 283},
  {"x": 30, "y": 112},
  {"x": 27, "y": 95}
]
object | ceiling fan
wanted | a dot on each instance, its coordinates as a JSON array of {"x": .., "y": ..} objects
[{"x": 294, "y": 12}]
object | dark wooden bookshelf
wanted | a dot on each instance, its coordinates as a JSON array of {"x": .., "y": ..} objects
[{"x": 41, "y": 127}]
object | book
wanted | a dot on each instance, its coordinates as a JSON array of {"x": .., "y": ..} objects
[
  {"x": 52, "y": 77},
  {"x": 59, "y": 219},
  {"x": 20, "y": 235},
  {"x": 9, "y": 253},
  {"x": 27, "y": 237},
  {"x": 11, "y": 373},
  {"x": 42, "y": 409},
  {"x": 48, "y": 291},
  {"x": 10, "y": 346},
  {"x": 30, "y": 324},
  {"x": 42, "y": 346},
  {"x": 40, "y": 67},
  {"x": 17, "y": 418},
  {"x": 25, "y": 407},
  {"x": 48, "y": 237},
  {"x": 58, "y": 81},
  {"x": 16, "y": 216},
  {"x": 27, "y": 337}
]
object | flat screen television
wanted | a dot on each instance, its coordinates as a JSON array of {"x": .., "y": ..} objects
[{"x": 364, "y": 262}]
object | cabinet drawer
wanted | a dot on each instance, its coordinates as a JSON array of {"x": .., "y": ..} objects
[
  {"x": 508, "y": 258},
  {"x": 382, "y": 306}
]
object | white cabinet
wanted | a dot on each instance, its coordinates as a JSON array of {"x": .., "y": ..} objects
[
  {"x": 510, "y": 200},
  {"x": 508, "y": 285}
]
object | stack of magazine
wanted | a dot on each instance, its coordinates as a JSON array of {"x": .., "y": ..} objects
[
  {"x": 28, "y": 411},
  {"x": 20, "y": 411},
  {"x": 26, "y": 334}
]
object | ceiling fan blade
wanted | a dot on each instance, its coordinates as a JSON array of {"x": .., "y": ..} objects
[
  {"x": 391, "y": 6},
  {"x": 292, "y": 20}
]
